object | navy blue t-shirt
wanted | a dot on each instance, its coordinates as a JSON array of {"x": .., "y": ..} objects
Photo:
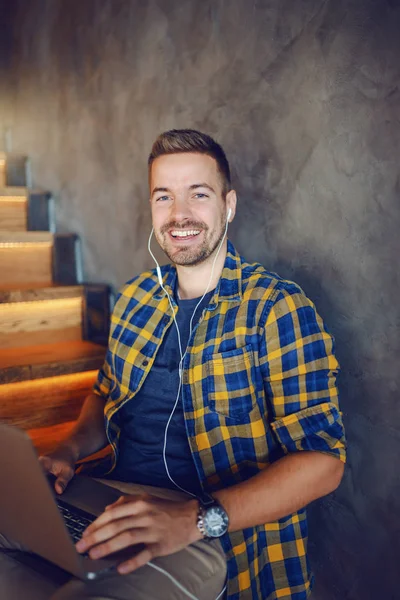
[{"x": 144, "y": 418}]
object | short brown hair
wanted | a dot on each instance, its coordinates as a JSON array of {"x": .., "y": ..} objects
[{"x": 178, "y": 141}]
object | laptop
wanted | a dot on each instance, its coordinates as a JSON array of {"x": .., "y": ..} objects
[{"x": 46, "y": 524}]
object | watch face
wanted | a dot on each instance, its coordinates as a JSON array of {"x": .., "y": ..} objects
[{"x": 216, "y": 521}]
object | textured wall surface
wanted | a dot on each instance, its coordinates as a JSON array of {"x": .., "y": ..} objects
[{"x": 305, "y": 97}]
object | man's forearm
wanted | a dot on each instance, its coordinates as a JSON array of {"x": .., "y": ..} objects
[
  {"x": 88, "y": 435},
  {"x": 281, "y": 489}
]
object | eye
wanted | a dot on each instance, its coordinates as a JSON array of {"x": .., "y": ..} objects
[
  {"x": 162, "y": 198},
  {"x": 200, "y": 196}
]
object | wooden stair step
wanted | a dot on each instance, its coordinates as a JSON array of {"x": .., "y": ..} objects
[
  {"x": 14, "y": 191},
  {"x": 14, "y": 170},
  {"x": 49, "y": 360},
  {"x": 39, "y": 257},
  {"x": 33, "y": 314},
  {"x": 43, "y": 315},
  {"x": 26, "y": 210},
  {"x": 13, "y": 212},
  {"x": 26, "y": 256},
  {"x": 45, "y": 402},
  {"x": 25, "y": 237},
  {"x": 29, "y": 292}
]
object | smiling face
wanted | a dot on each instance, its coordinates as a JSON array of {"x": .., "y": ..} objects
[{"x": 188, "y": 206}]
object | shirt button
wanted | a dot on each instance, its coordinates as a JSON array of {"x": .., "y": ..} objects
[{"x": 145, "y": 363}]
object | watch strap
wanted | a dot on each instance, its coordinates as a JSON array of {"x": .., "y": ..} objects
[
  {"x": 200, "y": 522},
  {"x": 206, "y": 500}
]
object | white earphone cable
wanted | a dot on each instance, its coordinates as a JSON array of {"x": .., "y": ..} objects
[
  {"x": 178, "y": 584},
  {"x": 179, "y": 341},
  {"x": 160, "y": 280}
]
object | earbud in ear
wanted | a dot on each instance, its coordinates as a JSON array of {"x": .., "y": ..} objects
[{"x": 228, "y": 216}]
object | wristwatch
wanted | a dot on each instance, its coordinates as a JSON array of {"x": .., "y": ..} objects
[{"x": 212, "y": 518}]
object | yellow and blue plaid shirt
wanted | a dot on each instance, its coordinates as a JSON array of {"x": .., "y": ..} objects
[{"x": 259, "y": 382}]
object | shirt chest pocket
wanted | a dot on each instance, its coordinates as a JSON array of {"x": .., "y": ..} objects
[{"x": 231, "y": 383}]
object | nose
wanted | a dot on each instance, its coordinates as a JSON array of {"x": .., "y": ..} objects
[{"x": 180, "y": 210}]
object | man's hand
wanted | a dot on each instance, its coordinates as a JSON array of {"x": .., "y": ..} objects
[
  {"x": 162, "y": 525},
  {"x": 61, "y": 464}
]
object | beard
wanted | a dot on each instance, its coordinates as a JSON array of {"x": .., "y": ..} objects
[{"x": 188, "y": 255}]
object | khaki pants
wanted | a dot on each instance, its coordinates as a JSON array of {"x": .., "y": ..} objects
[{"x": 200, "y": 568}]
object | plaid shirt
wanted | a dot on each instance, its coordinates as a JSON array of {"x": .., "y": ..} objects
[{"x": 259, "y": 382}]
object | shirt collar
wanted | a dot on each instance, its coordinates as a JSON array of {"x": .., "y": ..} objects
[{"x": 229, "y": 287}]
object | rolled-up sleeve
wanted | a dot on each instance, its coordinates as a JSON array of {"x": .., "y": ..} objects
[
  {"x": 300, "y": 372},
  {"x": 104, "y": 379}
]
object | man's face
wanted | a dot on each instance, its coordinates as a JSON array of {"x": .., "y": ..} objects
[{"x": 187, "y": 206}]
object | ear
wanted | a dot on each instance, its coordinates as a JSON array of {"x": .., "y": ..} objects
[{"x": 231, "y": 200}]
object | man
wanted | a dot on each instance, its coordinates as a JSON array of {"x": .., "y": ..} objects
[{"x": 234, "y": 395}]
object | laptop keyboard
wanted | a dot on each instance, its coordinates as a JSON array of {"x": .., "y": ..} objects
[{"x": 75, "y": 520}]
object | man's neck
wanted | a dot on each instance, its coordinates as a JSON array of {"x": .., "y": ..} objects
[{"x": 193, "y": 280}]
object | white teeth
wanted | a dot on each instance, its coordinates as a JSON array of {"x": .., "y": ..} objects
[{"x": 179, "y": 233}]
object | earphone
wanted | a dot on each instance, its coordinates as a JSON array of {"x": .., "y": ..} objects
[{"x": 160, "y": 280}]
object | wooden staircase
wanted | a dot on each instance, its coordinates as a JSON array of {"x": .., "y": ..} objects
[{"x": 53, "y": 328}]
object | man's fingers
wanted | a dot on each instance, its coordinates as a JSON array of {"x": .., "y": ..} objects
[
  {"x": 122, "y": 541},
  {"x": 141, "y": 559},
  {"x": 61, "y": 484},
  {"x": 111, "y": 530},
  {"x": 50, "y": 468},
  {"x": 46, "y": 463},
  {"x": 125, "y": 508}
]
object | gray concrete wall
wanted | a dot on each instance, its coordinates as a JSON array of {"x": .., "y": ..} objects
[{"x": 305, "y": 98}]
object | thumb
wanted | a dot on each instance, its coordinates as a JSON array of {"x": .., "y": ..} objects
[
  {"x": 46, "y": 463},
  {"x": 61, "y": 483}
]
